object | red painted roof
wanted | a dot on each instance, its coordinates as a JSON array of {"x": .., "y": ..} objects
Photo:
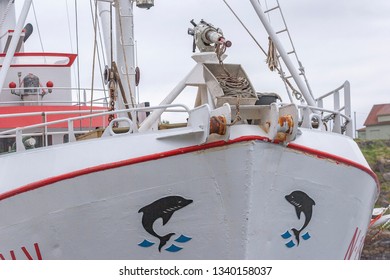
[
  {"x": 377, "y": 110},
  {"x": 12, "y": 122},
  {"x": 385, "y": 110}
]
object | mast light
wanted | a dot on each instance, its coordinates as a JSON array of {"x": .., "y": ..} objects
[
  {"x": 145, "y": 4},
  {"x": 12, "y": 85}
]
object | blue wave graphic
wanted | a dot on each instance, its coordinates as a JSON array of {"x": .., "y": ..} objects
[
  {"x": 183, "y": 239},
  {"x": 306, "y": 236},
  {"x": 286, "y": 235},
  {"x": 173, "y": 248},
  {"x": 290, "y": 244},
  {"x": 146, "y": 244}
]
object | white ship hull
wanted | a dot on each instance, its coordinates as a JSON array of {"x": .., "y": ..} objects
[{"x": 222, "y": 200}]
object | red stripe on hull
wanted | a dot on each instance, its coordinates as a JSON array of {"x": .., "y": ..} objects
[{"x": 185, "y": 150}]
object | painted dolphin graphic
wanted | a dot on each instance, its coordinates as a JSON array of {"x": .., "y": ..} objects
[
  {"x": 161, "y": 208},
  {"x": 302, "y": 203}
]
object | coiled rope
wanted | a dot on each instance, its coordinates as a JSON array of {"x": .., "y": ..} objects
[
  {"x": 235, "y": 86},
  {"x": 231, "y": 86}
]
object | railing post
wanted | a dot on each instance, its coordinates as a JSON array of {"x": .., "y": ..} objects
[
  {"x": 320, "y": 103},
  {"x": 306, "y": 112},
  {"x": 347, "y": 105},
  {"x": 336, "y": 108},
  {"x": 44, "y": 133},
  {"x": 19, "y": 141},
  {"x": 71, "y": 136},
  {"x": 85, "y": 97}
]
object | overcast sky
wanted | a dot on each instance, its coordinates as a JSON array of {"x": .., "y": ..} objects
[{"x": 336, "y": 40}]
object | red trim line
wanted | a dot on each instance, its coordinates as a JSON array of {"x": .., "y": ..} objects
[
  {"x": 70, "y": 56},
  {"x": 185, "y": 150},
  {"x": 337, "y": 159}
]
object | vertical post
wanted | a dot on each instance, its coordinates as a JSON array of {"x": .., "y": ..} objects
[
  {"x": 125, "y": 48},
  {"x": 126, "y": 56},
  {"x": 337, "y": 120},
  {"x": 45, "y": 139},
  {"x": 19, "y": 141},
  {"x": 71, "y": 136},
  {"x": 85, "y": 98},
  {"x": 320, "y": 103},
  {"x": 105, "y": 18},
  {"x": 14, "y": 42},
  {"x": 347, "y": 105}
]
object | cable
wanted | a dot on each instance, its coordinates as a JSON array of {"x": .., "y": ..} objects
[
  {"x": 70, "y": 38},
  {"x": 39, "y": 32},
  {"x": 243, "y": 25},
  {"x": 280, "y": 72},
  {"x": 69, "y": 29},
  {"x": 101, "y": 45},
  {"x": 78, "y": 59},
  {"x": 94, "y": 54}
]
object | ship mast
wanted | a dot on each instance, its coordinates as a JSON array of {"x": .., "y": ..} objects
[
  {"x": 125, "y": 50},
  {"x": 125, "y": 45}
]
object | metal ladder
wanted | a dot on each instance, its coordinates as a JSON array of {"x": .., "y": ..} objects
[{"x": 286, "y": 76}]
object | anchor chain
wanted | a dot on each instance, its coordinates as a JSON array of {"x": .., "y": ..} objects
[{"x": 113, "y": 94}]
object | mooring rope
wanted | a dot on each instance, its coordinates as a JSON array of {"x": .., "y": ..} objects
[{"x": 235, "y": 86}]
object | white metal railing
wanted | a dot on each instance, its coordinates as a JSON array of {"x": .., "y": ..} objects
[
  {"x": 308, "y": 113},
  {"x": 18, "y": 132},
  {"x": 340, "y": 104},
  {"x": 337, "y": 114}
]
